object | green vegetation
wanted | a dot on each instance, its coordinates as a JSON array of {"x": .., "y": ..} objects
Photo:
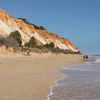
[
  {"x": 1, "y": 41},
  {"x": 14, "y": 40},
  {"x": 49, "y": 46},
  {"x": 52, "y": 45},
  {"x": 38, "y": 27},
  {"x": 32, "y": 43},
  {"x": 11, "y": 42},
  {"x": 24, "y": 20},
  {"x": 16, "y": 36}
]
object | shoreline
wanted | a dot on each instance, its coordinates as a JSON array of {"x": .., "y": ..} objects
[
  {"x": 34, "y": 75},
  {"x": 61, "y": 78},
  {"x": 53, "y": 86}
]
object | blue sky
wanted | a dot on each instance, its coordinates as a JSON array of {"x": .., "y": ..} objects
[{"x": 77, "y": 20}]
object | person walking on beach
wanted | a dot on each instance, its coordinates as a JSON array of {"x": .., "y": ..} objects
[{"x": 85, "y": 57}]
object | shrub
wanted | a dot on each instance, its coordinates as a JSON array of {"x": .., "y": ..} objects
[
  {"x": 46, "y": 46},
  {"x": 11, "y": 42},
  {"x": 52, "y": 45},
  {"x": 32, "y": 43},
  {"x": 2, "y": 41},
  {"x": 49, "y": 46},
  {"x": 16, "y": 35},
  {"x": 23, "y": 19},
  {"x": 35, "y": 26},
  {"x": 42, "y": 28}
]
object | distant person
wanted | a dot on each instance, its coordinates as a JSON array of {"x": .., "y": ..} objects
[{"x": 85, "y": 57}]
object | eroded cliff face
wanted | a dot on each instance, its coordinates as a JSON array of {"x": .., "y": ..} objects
[{"x": 9, "y": 24}]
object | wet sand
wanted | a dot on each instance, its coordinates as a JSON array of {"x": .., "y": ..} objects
[
  {"x": 30, "y": 78},
  {"x": 80, "y": 82}
]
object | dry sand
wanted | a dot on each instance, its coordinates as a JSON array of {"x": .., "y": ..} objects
[{"x": 30, "y": 78}]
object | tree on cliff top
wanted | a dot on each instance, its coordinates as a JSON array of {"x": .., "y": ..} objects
[{"x": 35, "y": 26}]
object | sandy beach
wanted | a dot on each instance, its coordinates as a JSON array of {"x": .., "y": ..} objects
[{"x": 30, "y": 78}]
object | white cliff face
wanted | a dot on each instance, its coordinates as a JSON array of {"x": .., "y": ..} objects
[
  {"x": 10, "y": 24},
  {"x": 61, "y": 45},
  {"x": 4, "y": 29},
  {"x": 73, "y": 49},
  {"x": 39, "y": 38}
]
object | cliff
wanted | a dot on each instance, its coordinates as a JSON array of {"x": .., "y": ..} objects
[{"x": 27, "y": 30}]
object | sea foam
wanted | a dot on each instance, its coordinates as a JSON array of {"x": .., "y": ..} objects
[{"x": 98, "y": 59}]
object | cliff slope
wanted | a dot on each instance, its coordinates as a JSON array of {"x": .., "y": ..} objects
[{"x": 27, "y": 30}]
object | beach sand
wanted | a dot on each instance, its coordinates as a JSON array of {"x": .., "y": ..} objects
[{"x": 30, "y": 78}]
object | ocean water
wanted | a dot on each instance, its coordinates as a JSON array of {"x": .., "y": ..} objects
[{"x": 80, "y": 82}]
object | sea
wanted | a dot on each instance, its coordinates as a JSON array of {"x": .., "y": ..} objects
[{"x": 79, "y": 82}]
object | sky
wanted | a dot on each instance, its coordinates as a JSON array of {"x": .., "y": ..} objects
[{"x": 77, "y": 20}]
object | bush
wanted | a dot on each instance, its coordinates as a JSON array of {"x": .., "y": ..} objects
[
  {"x": 11, "y": 42},
  {"x": 52, "y": 45},
  {"x": 23, "y": 19},
  {"x": 16, "y": 35},
  {"x": 35, "y": 26},
  {"x": 49, "y": 46},
  {"x": 2, "y": 39},
  {"x": 41, "y": 28},
  {"x": 32, "y": 43}
]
